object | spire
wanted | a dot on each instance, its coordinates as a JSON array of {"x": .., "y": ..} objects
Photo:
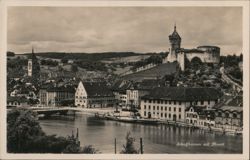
[
  {"x": 175, "y": 27},
  {"x": 32, "y": 49}
]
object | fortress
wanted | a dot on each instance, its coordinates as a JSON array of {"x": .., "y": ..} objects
[{"x": 204, "y": 54}]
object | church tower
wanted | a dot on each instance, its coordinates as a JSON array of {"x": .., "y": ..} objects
[
  {"x": 175, "y": 40},
  {"x": 30, "y": 65},
  {"x": 175, "y": 43},
  {"x": 33, "y": 66}
]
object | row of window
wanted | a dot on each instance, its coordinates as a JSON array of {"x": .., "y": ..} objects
[
  {"x": 160, "y": 115},
  {"x": 173, "y": 102},
  {"x": 161, "y": 108}
]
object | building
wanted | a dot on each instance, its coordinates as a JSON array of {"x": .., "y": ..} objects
[
  {"x": 55, "y": 96},
  {"x": 204, "y": 54},
  {"x": 170, "y": 103},
  {"x": 94, "y": 95},
  {"x": 33, "y": 66},
  {"x": 199, "y": 116},
  {"x": 17, "y": 102},
  {"x": 229, "y": 117}
]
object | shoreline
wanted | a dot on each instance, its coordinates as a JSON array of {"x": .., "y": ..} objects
[
  {"x": 93, "y": 111},
  {"x": 102, "y": 111}
]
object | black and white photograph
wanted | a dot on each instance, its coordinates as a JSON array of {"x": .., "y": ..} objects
[{"x": 136, "y": 79}]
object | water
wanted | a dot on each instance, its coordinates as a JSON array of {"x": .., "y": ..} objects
[{"x": 156, "y": 138}]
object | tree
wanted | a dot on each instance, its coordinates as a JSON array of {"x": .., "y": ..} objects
[
  {"x": 129, "y": 147},
  {"x": 64, "y": 60},
  {"x": 24, "y": 135},
  {"x": 74, "y": 68},
  {"x": 21, "y": 128}
]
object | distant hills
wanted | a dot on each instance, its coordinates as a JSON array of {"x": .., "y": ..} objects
[{"x": 87, "y": 56}]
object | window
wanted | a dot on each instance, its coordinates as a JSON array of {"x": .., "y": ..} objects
[
  {"x": 179, "y": 103},
  {"x": 169, "y": 102},
  {"x": 158, "y": 101},
  {"x": 227, "y": 115},
  {"x": 161, "y": 101},
  {"x": 161, "y": 108},
  {"x": 179, "y": 109},
  {"x": 174, "y": 102},
  {"x": 234, "y": 115},
  {"x": 149, "y": 107},
  {"x": 169, "y": 109},
  {"x": 169, "y": 115},
  {"x": 179, "y": 116},
  {"x": 149, "y": 101},
  {"x": 161, "y": 115},
  {"x": 145, "y": 114},
  {"x": 165, "y": 115},
  {"x": 153, "y": 107},
  {"x": 174, "y": 109},
  {"x": 208, "y": 102},
  {"x": 145, "y": 107},
  {"x": 202, "y": 102},
  {"x": 166, "y": 108},
  {"x": 166, "y": 102},
  {"x": 157, "y": 107}
]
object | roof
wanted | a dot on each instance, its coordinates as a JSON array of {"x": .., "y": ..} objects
[
  {"x": 97, "y": 89},
  {"x": 61, "y": 89},
  {"x": 147, "y": 84},
  {"x": 16, "y": 99},
  {"x": 231, "y": 108},
  {"x": 207, "y": 47},
  {"x": 121, "y": 85},
  {"x": 183, "y": 94},
  {"x": 175, "y": 34}
]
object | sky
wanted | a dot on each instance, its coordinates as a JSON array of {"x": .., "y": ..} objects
[{"x": 122, "y": 29}]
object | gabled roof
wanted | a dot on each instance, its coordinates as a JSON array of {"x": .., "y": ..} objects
[
  {"x": 183, "y": 94},
  {"x": 97, "y": 89}
]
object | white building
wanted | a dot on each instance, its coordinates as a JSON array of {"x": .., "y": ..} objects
[
  {"x": 200, "y": 117},
  {"x": 170, "y": 103},
  {"x": 94, "y": 94}
]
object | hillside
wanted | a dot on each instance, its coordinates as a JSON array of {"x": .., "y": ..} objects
[
  {"x": 87, "y": 56},
  {"x": 153, "y": 73}
]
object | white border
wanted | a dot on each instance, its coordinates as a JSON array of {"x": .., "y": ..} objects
[{"x": 75, "y": 3}]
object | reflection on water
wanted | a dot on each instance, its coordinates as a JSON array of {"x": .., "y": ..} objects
[{"x": 156, "y": 138}]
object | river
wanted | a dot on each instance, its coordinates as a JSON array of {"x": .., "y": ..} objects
[{"x": 156, "y": 138}]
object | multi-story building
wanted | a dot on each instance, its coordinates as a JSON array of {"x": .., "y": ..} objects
[
  {"x": 54, "y": 96},
  {"x": 170, "y": 103},
  {"x": 229, "y": 117},
  {"x": 94, "y": 94}
]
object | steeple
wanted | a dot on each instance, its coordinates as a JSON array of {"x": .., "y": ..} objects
[
  {"x": 175, "y": 40},
  {"x": 32, "y": 50}
]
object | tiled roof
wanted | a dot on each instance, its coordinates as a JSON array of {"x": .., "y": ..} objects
[
  {"x": 184, "y": 94},
  {"x": 97, "y": 89},
  {"x": 121, "y": 85},
  {"x": 231, "y": 108},
  {"x": 61, "y": 89}
]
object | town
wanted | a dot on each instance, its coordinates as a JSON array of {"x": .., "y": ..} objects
[{"x": 195, "y": 87}]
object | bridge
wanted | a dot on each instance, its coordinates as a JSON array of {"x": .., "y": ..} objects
[{"x": 48, "y": 111}]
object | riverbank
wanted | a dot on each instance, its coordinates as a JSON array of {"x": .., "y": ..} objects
[{"x": 108, "y": 111}]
